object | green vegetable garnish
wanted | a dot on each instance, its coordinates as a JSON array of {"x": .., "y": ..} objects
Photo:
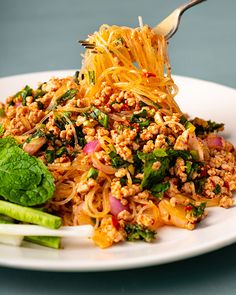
[
  {"x": 153, "y": 176},
  {"x": 199, "y": 184},
  {"x": 51, "y": 242},
  {"x": 27, "y": 91},
  {"x": 99, "y": 116},
  {"x": 116, "y": 160},
  {"x": 159, "y": 189},
  {"x": 217, "y": 189},
  {"x": 197, "y": 211},
  {"x": 29, "y": 215},
  {"x": 50, "y": 156},
  {"x": 139, "y": 118},
  {"x": 39, "y": 93},
  {"x": 69, "y": 94},
  {"x": 80, "y": 135},
  {"x": 92, "y": 173},
  {"x": 61, "y": 151},
  {"x": 207, "y": 127},
  {"x": 24, "y": 179},
  {"x": 137, "y": 232},
  {"x": 186, "y": 155}
]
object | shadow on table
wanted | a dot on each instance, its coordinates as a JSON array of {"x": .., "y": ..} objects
[{"x": 193, "y": 276}]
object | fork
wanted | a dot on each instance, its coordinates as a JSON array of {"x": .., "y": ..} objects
[
  {"x": 167, "y": 27},
  {"x": 170, "y": 24}
]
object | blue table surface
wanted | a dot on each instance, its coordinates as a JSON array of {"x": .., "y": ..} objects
[{"x": 41, "y": 35}]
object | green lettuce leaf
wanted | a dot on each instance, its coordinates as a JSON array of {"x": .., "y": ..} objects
[{"x": 24, "y": 179}]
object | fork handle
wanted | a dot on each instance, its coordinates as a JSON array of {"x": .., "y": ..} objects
[{"x": 191, "y": 3}]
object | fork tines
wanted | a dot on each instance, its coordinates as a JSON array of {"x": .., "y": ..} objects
[{"x": 87, "y": 44}]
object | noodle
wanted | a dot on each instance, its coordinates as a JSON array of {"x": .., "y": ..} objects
[{"x": 123, "y": 155}]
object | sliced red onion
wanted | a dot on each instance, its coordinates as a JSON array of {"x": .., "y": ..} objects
[
  {"x": 18, "y": 104},
  {"x": 115, "y": 205},
  {"x": 214, "y": 141},
  {"x": 91, "y": 147}
]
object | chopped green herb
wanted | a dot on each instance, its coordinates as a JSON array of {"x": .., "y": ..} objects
[
  {"x": 99, "y": 116},
  {"x": 183, "y": 120},
  {"x": 27, "y": 91},
  {"x": 61, "y": 151},
  {"x": 151, "y": 175},
  {"x": 198, "y": 211},
  {"x": 188, "y": 165},
  {"x": 137, "y": 232},
  {"x": 186, "y": 155},
  {"x": 199, "y": 184},
  {"x": 139, "y": 118},
  {"x": 69, "y": 94},
  {"x": 208, "y": 127},
  {"x": 217, "y": 189},
  {"x": 116, "y": 160},
  {"x": 92, "y": 173},
  {"x": 39, "y": 93},
  {"x": 40, "y": 105},
  {"x": 123, "y": 180},
  {"x": 80, "y": 135},
  {"x": 159, "y": 189},
  {"x": 37, "y": 134},
  {"x": 50, "y": 156}
]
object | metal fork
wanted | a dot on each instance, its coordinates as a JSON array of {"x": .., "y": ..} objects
[
  {"x": 167, "y": 27},
  {"x": 170, "y": 24}
]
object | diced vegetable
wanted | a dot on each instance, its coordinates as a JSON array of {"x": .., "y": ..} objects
[
  {"x": 24, "y": 180},
  {"x": 29, "y": 215},
  {"x": 137, "y": 232}
]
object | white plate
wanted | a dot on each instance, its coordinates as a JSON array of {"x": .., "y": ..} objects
[{"x": 198, "y": 98}]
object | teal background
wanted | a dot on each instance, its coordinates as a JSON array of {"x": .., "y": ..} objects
[{"x": 41, "y": 35}]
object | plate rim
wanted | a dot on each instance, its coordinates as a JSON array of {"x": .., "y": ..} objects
[{"x": 33, "y": 264}]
